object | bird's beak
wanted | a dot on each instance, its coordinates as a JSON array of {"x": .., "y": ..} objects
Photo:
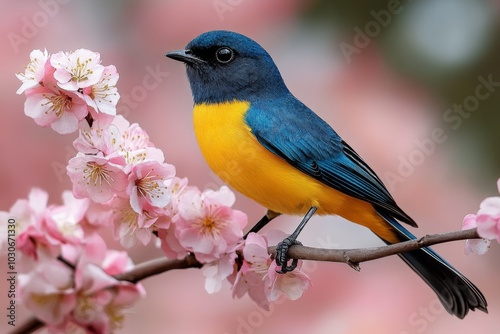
[{"x": 185, "y": 56}]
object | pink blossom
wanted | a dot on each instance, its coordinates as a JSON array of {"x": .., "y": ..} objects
[
  {"x": 170, "y": 244},
  {"x": 129, "y": 141},
  {"x": 251, "y": 277},
  {"x": 130, "y": 226},
  {"x": 488, "y": 217},
  {"x": 207, "y": 226},
  {"x": 101, "y": 137},
  {"x": 101, "y": 298},
  {"x": 474, "y": 246},
  {"x": 64, "y": 222},
  {"x": 116, "y": 262},
  {"x": 97, "y": 177},
  {"x": 176, "y": 188},
  {"x": 30, "y": 215},
  {"x": 147, "y": 186},
  {"x": 216, "y": 272},
  {"x": 60, "y": 110},
  {"x": 98, "y": 215},
  {"x": 86, "y": 297},
  {"x": 34, "y": 71},
  {"x": 103, "y": 96},
  {"x": 34, "y": 242},
  {"x": 47, "y": 291},
  {"x": 134, "y": 137},
  {"x": 258, "y": 274},
  {"x": 487, "y": 221},
  {"x": 29, "y": 211},
  {"x": 77, "y": 70},
  {"x": 93, "y": 280},
  {"x": 135, "y": 147},
  {"x": 292, "y": 284}
]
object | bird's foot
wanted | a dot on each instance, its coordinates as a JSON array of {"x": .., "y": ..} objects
[{"x": 281, "y": 257}]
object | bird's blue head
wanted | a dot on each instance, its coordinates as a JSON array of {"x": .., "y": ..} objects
[{"x": 224, "y": 66}]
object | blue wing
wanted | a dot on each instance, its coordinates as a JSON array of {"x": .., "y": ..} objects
[{"x": 293, "y": 132}]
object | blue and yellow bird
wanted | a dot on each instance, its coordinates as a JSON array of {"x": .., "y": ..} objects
[{"x": 266, "y": 144}]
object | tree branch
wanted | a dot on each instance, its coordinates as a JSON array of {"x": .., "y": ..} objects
[
  {"x": 157, "y": 266},
  {"x": 352, "y": 257}
]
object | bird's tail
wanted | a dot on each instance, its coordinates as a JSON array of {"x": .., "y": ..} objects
[{"x": 457, "y": 294}]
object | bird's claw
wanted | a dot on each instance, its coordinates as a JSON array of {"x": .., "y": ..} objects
[{"x": 282, "y": 258}]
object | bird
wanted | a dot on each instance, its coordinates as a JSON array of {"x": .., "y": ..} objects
[{"x": 266, "y": 144}]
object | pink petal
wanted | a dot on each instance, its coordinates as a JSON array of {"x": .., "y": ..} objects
[
  {"x": 477, "y": 246},
  {"x": 469, "y": 222}
]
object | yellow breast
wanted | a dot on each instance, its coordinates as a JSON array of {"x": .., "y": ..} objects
[{"x": 235, "y": 155}]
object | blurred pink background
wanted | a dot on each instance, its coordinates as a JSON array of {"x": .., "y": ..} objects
[{"x": 387, "y": 95}]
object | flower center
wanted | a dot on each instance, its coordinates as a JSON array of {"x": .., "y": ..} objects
[
  {"x": 97, "y": 174},
  {"x": 81, "y": 72},
  {"x": 149, "y": 186},
  {"x": 58, "y": 103}
]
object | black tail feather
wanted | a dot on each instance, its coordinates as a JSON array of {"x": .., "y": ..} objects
[{"x": 457, "y": 294}]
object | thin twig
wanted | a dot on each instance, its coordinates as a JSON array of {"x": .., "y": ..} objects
[
  {"x": 354, "y": 256},
  {"x": 157, "y": 266}
]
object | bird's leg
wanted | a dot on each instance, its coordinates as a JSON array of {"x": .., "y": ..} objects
[
  {"x": 270, "y": 215},
  {"x": 282, "y": 247}
]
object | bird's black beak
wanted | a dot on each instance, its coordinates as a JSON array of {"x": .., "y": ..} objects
[{"x": 185, "y": 56}]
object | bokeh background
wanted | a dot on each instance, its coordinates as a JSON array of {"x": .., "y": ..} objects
[{"x": 384, "y": 74}]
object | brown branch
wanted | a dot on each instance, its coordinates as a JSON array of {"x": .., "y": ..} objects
[
  {"x": 29, "y": 326},
  {"x": 354, "y": 256},
  {"x": 157, "y": 266},
  {"x": 350, "y": 256}
]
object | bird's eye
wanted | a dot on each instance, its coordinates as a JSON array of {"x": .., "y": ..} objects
[{"x": 224, "y": 55}]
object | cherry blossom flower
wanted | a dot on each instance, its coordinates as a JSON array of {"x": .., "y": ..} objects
[
  {"x": 147, "y": 186},
  {"x": 133, "y": 137},
  {"x": 170, "y": 244},
  {"x": 103, "y": 96},
  {"x": 488, "y": 217},
  {"x": 207, "y": 226},
  {"x": 30, "y": 215},
  {"x": 29, "y": 211},
  {"x": 101, "y": 137},
  {"x": 60, "y": 110},
  {"x": 64, "y": 222},
  {"x": 176, "y": 188},
  {"x": 218, "y": 271},
  {"x": 474, "y": 246},
  {"x": 97, "y": 177},
  {"x": 487, "y": 222},
  {"x": 292, "y": 284},
  {"x": 48, "y": 291},
  {"x": 258, "y": 274},
  {"x": 77, "y": 70},
  {"x": 101, "y": 298},
  {"x": 82, "y": 296},
  {"x": 135, "y": 147},
  {"x": 34, "y": 71},
  {"x": 130, "y": 226}
]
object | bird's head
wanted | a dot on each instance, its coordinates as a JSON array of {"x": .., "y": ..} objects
[{"x": 224, "y": 66}]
